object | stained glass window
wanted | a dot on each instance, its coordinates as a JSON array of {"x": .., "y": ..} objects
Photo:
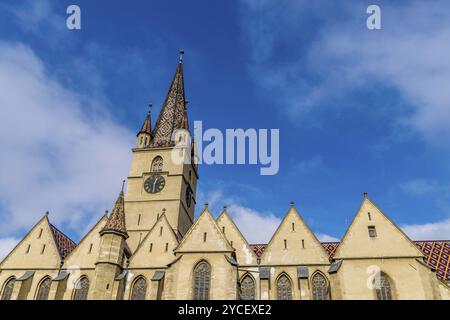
[
  {"x": 284, "y": 288},
  {"x": 139, "y": 289},
  {"x": 44, "y": 289},
  {"x": 247, "y": 288},
  {"x": 157, "y": 164},
  {"x": 202, "y": 278},
  {"x": 383, "y": 287},
  {"x": 81, "y": 289},
  {"x": 8, "y": 289},
  {"x": 320, "y": 287}
]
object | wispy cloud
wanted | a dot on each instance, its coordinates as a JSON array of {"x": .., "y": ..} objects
[
  {"x": 340, "y": 56},
  {"x": 428, "y": 231},
  {"x": 61, "y": 151}
]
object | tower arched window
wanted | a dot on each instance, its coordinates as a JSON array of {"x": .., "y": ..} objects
[
  {"x": 44, "y": 289},
  {"x": 81, "y": 289},
  {"x": 320, "y": 287},
  {"x": 157, "y": 164},
  {"x": 247, "y": 288},
  {"x": 139, "y": 289},
  {"x": 8, "y": 288},
  {"x": 383, "y": 287},
  {"x": 202, "y": 280},
  {"x": 284, "y": 288}
]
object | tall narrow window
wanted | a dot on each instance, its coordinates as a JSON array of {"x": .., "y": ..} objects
[
  {"x": 139, "y": 289},
  {"x": 285, "y": 243},
  {"x": 320, "y": 287},
  {"x": 383, "y": 287},
  {"x": 204, "y": 236},
  {"x": 303, "y": 243},
  {"x": 223, "y": 229},
  {"x": 90, "y": 248},
  {"x": 160, "y": 231},
  {"x": 248, "y": 288},
  {"x": 167, "y": 247},
  {"x": 81, "y": 289},
  {"x": 284, "y": 288},
  {"x": 231, "y": 243},
  {"x": 369, "y": 216},
  {"x": 151, "y": 247},
  {"x": 40, "y": 233},
  {"x": 372, "y": 231},
  {"x": 202, "y": 279},
  {"x": 44, "y": 289},
  {"x": 43, "y": 249},
  {"x": 293, "y": 226},
  {"x": 8, "y": 289},
  {"x": 157, "y": 164},
  {"x": 28, "y": 249},
  {"x": 139, "y": 219}
]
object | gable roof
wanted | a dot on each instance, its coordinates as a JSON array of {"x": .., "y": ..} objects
[
  {"x": 436, "y": 254},
  {"x": 204, "y": 215}
]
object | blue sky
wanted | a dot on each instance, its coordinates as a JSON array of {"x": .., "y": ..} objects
[{"x": 358, "y": 110}]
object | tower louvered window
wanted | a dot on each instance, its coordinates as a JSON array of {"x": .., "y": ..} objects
[
  {"x": 248, "y": 288},
  {"x": 383, "y": 287},
  {"x": 320, "y": 287},
  {"x": 284, "y": 288},
  {"x": 81, "y": 289},
  {"x": 139, "y": 289},
  {"x": 202, "y": 279},
  {"x": 44, "y": 289},
  {"x": 157, "y": 164},
  {"x": 8, "y": 289}
]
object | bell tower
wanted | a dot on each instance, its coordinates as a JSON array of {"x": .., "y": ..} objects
[{"x": 158, "y": 181}]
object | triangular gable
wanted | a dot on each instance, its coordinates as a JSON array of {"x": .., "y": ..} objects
[
  {"x": 244, "y": 253},
  {"x": 390, "y": 240},
  {"x": 85, "y": 255},
  {"x": 294, "y": 243},
  {"x": 156, "y": 249},
  {"x": 193, "y": 241},
  {"x": 37, "y": 250}
]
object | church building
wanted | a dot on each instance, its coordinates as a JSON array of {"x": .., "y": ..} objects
[{"x": 150, "y": 247}]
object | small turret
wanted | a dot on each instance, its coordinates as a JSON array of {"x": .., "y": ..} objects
[{"x": 144, "y": 136}]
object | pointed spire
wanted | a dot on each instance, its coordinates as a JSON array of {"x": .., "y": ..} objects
[
  {"x": 172, "y": 112},
  {"x": 147, "y": 125},
  {"x": 184, "y": 122},
  {"x": 116, "y": 221}
]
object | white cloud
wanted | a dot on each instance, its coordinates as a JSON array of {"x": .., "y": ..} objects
[
  {"x": 429, "y": 231},
  {"x": 326, "y": 238},
  {"x": 411, "y": 54},
  {"x": 6, "y": 245},
  {"x": 61, "y": 151}
]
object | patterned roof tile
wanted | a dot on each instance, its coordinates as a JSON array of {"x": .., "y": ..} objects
[{"x": 64, "y": 244}]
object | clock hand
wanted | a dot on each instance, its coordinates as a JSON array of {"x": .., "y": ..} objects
[{"x": 154, "y": 184}]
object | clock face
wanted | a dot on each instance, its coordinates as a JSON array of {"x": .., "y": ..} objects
[
  {"x": 188, "y": 196},
  {"x": 154, "y": 183}
]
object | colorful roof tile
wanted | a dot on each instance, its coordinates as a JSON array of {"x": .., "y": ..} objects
[
  {"x": 147, "y": 125},
  {"x": 172, "y": 113},
  {"x": 116, "y": 221},
  {"x": 437, "y": 254},
  {"x": 64, "y": 244}
]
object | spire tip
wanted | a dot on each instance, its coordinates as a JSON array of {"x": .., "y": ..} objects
[{"x": 181, "y": 55}]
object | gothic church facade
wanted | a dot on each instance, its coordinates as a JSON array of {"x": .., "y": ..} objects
[{"x": 150, "y": 246}]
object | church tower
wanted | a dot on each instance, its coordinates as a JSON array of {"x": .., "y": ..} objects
[{"x": 159, "y": 181}]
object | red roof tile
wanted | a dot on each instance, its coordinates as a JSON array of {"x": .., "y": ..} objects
[{"x": 64, "y": 243}]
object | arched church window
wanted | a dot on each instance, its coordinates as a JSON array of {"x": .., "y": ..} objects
[
  {"x": 202, "y": 279},
  {"x": 8, "y": 289},
  {"x": 284, "y": 288},
  {"x": 248, "y": 288},
  {"x": 44, "y": 289},
  {"x": 157, "y": 164},
  {"x": 383, "y": 287},
  {"x": 320, "y": 287},
  {"x": 139, "y": 289},
  {"x": 81, "y": 289}
]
